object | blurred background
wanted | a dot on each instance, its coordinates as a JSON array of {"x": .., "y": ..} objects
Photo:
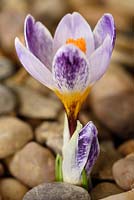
[
  {"x": 24, "y": 100},
  {"x": 114, "y": 92}
]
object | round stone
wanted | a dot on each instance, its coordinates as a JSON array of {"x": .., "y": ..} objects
[
  {"x": 14, "y": 134},
  {"x": 127, "y": 147},
  {"x": 112, "y": 102},
  {"x": 104, "y": 189},
  {"x": 57, "y": 191},
  {"x": 32, "y": 165},
  {"x": 122, "y": 196},
  {"x": 12, "y": 189},
  {"x": 123, "y": 172},
  {"x": 11, "y": 23},
  {"x": 7, "y": 100},
  {"x": 50, "y": 134},
  {"x": 117, "y": 113},
  {"x": 35, "y": 105},
  {"x": 6, "y": 68}
]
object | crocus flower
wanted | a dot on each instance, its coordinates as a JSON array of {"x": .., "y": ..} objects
[
  {"x": 79, "y": 152},
  {"x": 72, "y": 61}
]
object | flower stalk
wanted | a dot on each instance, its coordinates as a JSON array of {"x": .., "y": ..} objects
[{"x": 72, "y": 122}]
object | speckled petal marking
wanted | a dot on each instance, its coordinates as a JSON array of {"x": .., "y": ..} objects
[
  {"x": 70, "y": 69},
  {"x": 88, "y": 148}
]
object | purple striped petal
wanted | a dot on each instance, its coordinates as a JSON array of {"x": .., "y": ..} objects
[
  {"x": 73, "y": 26},
  {"x": 93, "y": 154},
  {"x": 104, "y": 27},
  {"x": 104, "y": 36},
  {"x": 88, "y": 148},
  {"x": 99, "y": 60},
  {"x": 70, "y": 69},
  {"x": 39, "y": 40},
  {"x": 33, "y": 65}
]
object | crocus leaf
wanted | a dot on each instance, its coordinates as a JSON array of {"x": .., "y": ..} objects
[
  {"x": 58, "y": 168},
  {"x": 84, "y": 179}
]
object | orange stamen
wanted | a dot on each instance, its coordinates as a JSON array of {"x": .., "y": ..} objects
[{"x": 80, "y": 43}]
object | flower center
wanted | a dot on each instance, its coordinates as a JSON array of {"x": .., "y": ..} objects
[{"x": 80, "y": 43}]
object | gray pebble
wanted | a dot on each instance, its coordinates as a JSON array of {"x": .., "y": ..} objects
[
  {"x": 32, "y": 165},
  {"x": 7, "y": 100},
  {"x": 57, "y": 191},
  {"x": 6, "y": 68}
]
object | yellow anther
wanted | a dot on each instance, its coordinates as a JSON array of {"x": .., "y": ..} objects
[{"x": 80, "y": 43}]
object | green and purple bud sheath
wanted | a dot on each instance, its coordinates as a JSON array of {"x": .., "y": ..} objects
[
  {"x": 79, "y": 154},
  {"x": 72, "y": 61}
]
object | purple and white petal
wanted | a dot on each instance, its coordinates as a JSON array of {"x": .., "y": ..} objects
[
  {"x": 70, "y": 69},
  {"x": 93, "y": 154},
  {"x": 74, "y": 26},
  {"x": 85, "y": 145},
  {"x": 33, "y": 65},
  {"x": 99, "y": 60},
  {"x": 104, "y": 27},
  {"x": 38, "y": 40}
]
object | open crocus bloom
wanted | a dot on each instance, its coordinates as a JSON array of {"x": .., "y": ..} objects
[
  {"x": 72, "y": 61},
  {"x": 79, "y": 152}
]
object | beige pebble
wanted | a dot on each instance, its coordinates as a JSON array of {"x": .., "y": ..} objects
[
  {"x": 123, "y": 172},
  {"x": 12, "y": 189},
  {"x": 36, "y": 105},
  {"x": 50, "y": 133},
  {"x": 127, "y": 147},
  {"x": 14, "y": 134},
  {"x": 123, "y": 196},
  {"x": 104, "y": 189},
  {"x": 32, "y": 165}
]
